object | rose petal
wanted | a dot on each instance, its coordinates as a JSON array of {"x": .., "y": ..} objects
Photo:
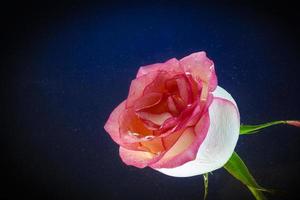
[
  {"x": 148, "y": 101},
  {"x": 172, "y": 106},
  {"x": 158, "y": 119},
  {"x": 170, "y": 65},
  {"x": 167, "y": 128},
  {"x": 159, "y": 84},
  {"x": 171, "y": 139},
  {"x": 179, "y": 103},
  {"x": 220, "y": 92},
  {"x": 155, "y": 145},
  {"x": 138, "y": 159},
  {"x": 112, "y": 125},
  {"x": 185, "y": 140},
  {"x": 131, "y": 128},
  {"x": 201, "y": 68},
  {"x": 186, "y": 147},
  {"x": 194, "y": 86},
  {"x": 158, "y": 108},
  {"x": 219, "y": 143},
  {"x": 184, "y": 90},
  {"x": 138, "y": 86}
]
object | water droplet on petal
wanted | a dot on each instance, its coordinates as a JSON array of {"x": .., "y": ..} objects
[
  {"x": 133, "y": 134},
  {"x": 149, "y": 137}
]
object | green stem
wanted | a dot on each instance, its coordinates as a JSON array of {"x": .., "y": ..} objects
[
  {"x": 205, "y": 180},
  {"x": 250, "y": 129}
]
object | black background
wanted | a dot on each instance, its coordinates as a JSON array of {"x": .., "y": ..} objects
[{"x": 67, "y": 64}]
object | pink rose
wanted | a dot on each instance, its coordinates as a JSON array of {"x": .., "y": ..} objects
[{"x": 176, "y": 119}]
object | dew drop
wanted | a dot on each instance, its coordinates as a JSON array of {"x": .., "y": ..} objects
[{"x": 149, "y": 137}]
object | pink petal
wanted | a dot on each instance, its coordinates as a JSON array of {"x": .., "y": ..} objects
[
  {"x": 222, "y": 93},
  {"x": 186, "y": 147},
  {"x": 167, "y": 128},
  {"x": 201, "y": 68},
  {"x": 132, "y": 129},
  {"x": 148, "y": 101},
  {"x": 171, "y": 139},
  {"x": 138, "y": 159},
  {"x": 172, "y": 106},
  {"x": 112, "y": 125},
  {"x": 179, "y": 103},
  {"x": 138, "y": 86},
  {"x": 184, "y": 90},
  {"x": 171, "y": 65},
  {"x": 159, "y": 83},
  {"x": 158, "y": 119},
  {"x": 155, "y": 145}
]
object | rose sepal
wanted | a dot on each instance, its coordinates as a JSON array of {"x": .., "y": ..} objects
[{"x": 238, "y": 169}]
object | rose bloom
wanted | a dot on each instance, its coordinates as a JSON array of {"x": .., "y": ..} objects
[{"x": 176, "y": 119}]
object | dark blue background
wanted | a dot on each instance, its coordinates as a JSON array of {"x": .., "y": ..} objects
[{"x": 67, "y": 65}]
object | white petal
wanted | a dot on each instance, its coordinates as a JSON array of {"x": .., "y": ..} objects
[
  {"x": 220, "y": 92},
  {"x": 220, "y": 141}
]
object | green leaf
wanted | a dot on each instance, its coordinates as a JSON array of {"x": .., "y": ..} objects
[
  {"x": 205, "y": 180},
  {"x": 237, "y": 168},
  {"x": 250, "y": 129}
]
